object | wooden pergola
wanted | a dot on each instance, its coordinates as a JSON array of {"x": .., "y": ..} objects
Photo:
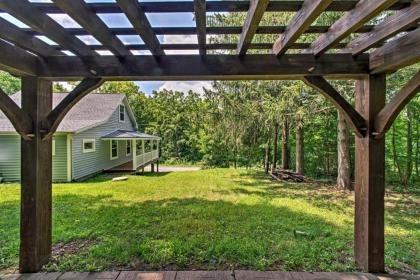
[{"x": 367, "y": 59}]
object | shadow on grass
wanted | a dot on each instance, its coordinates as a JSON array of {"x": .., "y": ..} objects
[{"x": 191, "y": 233}]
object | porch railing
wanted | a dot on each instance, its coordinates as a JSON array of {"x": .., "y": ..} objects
[{"x": 142, "y": 159}]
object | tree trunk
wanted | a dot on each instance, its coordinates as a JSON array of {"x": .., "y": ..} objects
[
  {"x": 409, "y": 163},
  {"x": 417, "y": 140},
  {"x": 299, "y": 150},
  {"x": 394, "y": 152},
  {"x": 285, "y": 146},
  {"x": 276, "y": 136},
  {"x": 267, "y": 157},
  {"x": 343, "y": 176}
]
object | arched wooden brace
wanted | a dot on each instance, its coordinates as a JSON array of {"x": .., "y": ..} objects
[
  {"x": 353, "y": 118},
  {"x": 19, "y": 119},
  {"x": 54, "y": 118},
  {"x": 389, "y": 113}
]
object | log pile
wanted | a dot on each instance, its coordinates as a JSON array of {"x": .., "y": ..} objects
[{"x": 288, "y": 175}]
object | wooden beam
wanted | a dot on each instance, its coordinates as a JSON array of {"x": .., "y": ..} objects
[
  {"x": 310, "y": 11},
  {"x": 200, "y": 21},
  {"x": 19, "y": 119},
  {"x": 353, "y": 118},
  {"x": 217, "y": 46},
  {"x": 80, "y": 12},
  {"x": 54, "y": 118},
  {"x": 36, "y": 177},
  {"x": 180, "y": 30},
  {"x": 400, "y": 21},
  {"x": 215, "y": 6},
  {"x": 389, "y": 113},
  {"x": 17, "y": 61},
  {"x": 15, "y": 35},
  {"x": 31, "y": 16},
  {"x": 255, "y": 13},
  {"x": 213, "y": 67},
  {"x": 396, "y": 54},
  {"x": 352, "y": 20},
  {"x": 369, "y": 179},
  {"x": 141, "y": 24}
]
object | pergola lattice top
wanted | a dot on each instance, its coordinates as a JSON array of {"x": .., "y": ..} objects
[{"x": 50, "y": 61}]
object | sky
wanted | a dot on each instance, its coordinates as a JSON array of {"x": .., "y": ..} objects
[{"x": 119, "y": 20}]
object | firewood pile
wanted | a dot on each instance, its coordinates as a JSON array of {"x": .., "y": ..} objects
[{"x": 288, "y": 175}]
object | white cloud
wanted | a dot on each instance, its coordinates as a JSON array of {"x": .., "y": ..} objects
[{"x": 184, "y": 86}]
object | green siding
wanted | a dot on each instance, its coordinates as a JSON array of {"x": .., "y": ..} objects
[{"x": 10, "y": 158}]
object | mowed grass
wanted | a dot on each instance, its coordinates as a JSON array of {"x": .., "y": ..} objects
[{"x": 209, "y": 219}]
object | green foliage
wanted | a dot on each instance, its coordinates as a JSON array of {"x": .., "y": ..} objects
[
  {"x": 8, "y": 83},
  {"x": 209, "y": 219}
]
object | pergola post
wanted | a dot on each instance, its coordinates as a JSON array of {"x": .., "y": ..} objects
[
  {"x": 134, "y": 152},
  {"x": 36, "y": 178},
  {"x": 370, "y": 178}
]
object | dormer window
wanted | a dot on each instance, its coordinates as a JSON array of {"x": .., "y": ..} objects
[{"x": 122, "y": 113}]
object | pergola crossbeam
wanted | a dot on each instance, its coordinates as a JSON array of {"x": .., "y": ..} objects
[
  {"x": 310, "y": 11},
  {"x": 15, "y": 35},
  {"x": 396, "y": 54},
  {"x": 17, "y": 60},
  {"x": 42, "y": 23},
  {"x": 253, "y": 18},
  {"x": 79, "y": 11},
  {"x": 216, "y": 6},
  {"x": 352, "y": 20},
  {"x": 400, "y": 21},
  {"x": 141, "y": 24}
]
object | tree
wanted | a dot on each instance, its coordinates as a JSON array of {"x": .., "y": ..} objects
[
  {"x": 343, "y": 176},
  {"x": 8, "y": 83}
]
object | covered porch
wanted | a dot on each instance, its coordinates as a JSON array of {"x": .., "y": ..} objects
[{"x": 143, "y": 148}]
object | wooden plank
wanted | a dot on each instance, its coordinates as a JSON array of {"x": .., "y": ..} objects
[
  {"x": 216, "y": 6},
  {"x": 41, "y": 276},
  {"x": 352, "y": 20},
  {"x": 214, "y": 67},
  {"x": 30, "y": 15},
  {"x": 396, "y": 54},
  {"x": 54, "y": 118},
  {"x": 310, "y": 11},
  {"x": 16, "y": 60},
  {"x": 389, "y": 113},
  {"x": 252, "y": 20},
  {"x": 353, "y": 118},
  {"x": 136, "y": 275},
  {"x": 15, "y": 35},
  {"x": 170, "y": 30},
  {"x": 204, "y": 275},
  {"x": 370, "y": 178},
  {"x": 262, "y": 275},
  {"x": 400, "y": 21},
  {"x": 218, "y": 46},
  {"x": 19, "y": 119},
  {"x": 79, "y": 11},
  {"x": 200, "y": 21},
  {"x": 89, "y": 276},
  {"x": 138, "y": 19},
  {"x": 36, "y": 179}
]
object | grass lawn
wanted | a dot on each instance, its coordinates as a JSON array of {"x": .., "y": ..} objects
[{"x": 209, "y": 219}]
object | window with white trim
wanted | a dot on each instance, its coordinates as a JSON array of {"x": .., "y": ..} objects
[
  {"x": 89, "y": 145},
  {"x": 128, "y": 147},
  {"x": 122, "y": 113},
  {"x": 114, "y": 149}
]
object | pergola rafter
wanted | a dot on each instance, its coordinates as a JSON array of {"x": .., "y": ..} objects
[
  {"x": 79, "y": 11},
  {"x": 352, "y": 20},
  {"x": 141, "y": 24},
  {"x": 39, "y": 64}
]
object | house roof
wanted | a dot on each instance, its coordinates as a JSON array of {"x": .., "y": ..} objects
[
  {"x": 94, "y": 109},
  {"x": 129, "y": 134}
]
